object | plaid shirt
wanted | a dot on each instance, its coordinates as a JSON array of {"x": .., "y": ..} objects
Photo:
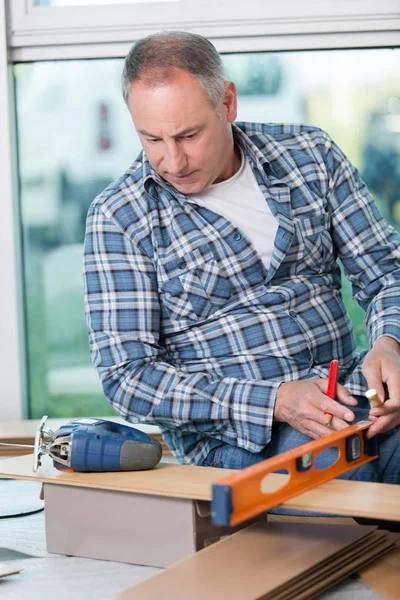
[{"x": 190, "y": 332}]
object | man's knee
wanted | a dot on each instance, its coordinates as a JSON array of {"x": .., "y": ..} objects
[
  {"x": 389, "y": 455},
  {"x": 226, "y": 456}
]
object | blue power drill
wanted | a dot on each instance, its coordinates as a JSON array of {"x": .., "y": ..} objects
[{"x": 89, "y": 445}]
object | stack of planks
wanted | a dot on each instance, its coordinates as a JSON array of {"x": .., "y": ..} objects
[{"x": 269, "y": 561}]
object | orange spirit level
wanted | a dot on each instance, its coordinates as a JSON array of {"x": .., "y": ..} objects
[{"x": 255, "y": 489}]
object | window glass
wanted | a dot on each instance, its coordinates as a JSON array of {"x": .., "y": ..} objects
[{"x": 76, "y": 136}]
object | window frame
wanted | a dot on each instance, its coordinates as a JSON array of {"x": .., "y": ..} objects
[
  {"x": 13, "y": 383},
  {"x": 29, "y": 33},
  {"x": 38, "y": 33}
]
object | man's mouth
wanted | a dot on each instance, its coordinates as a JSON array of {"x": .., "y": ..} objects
[{"x": 183, "y": 177}]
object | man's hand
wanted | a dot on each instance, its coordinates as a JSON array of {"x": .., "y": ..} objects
[
  {"x": 302, "y": 404},
  {"x": 382, "y": 365}
]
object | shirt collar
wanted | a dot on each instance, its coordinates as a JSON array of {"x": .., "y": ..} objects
[
  {"x": 253, "y": 153},
  {"x": 148, "y": 172},
  {"x": 151, "y": 178}
]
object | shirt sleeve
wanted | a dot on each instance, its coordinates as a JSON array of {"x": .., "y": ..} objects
[
  {"x": 368, "y": 246},
  {"x": 123, "y": 316}
]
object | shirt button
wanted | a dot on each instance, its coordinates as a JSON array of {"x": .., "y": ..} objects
[
  {"x": 182, "y": 265},
  {"x": 237, "y": 237},
  {"x": 292, "y": 314}
]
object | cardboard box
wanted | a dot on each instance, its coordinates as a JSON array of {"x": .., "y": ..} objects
[{"x": 139, "y": 529}]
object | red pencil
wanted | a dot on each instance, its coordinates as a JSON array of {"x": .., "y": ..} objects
[{"x": 333, "y": 370}]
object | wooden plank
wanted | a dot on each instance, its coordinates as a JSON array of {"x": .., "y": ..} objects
[
  {"x": 312, "y": 591},
  {"x": 166, "y": 479},
  {"x": 354, "y": 498},
  {"x": 16, "y": 451},
  {"x": 324, "y": 575},
  {"x": 255, "y": 562},
  {"x": 383, "y": 575},
  {"x": 272, "y": 518}
]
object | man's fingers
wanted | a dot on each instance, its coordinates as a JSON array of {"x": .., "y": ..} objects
[
  {"x": 390, "y": 407},
  {"x": 380, "y": 426},
  {"x": 335, "y": 409},
  {"x": 338, "y": 424},
  {"x": 378, "y": 387},
  {"x": 373, "y": 375},
  {"x": 393, "y": 388},
  {"x": 315, "y": 430},
  {"x": 344, "y": 396},
  {"x": 341, "y": 394}
]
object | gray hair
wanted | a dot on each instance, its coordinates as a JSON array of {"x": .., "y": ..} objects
[{"x": 164, "y": 51}]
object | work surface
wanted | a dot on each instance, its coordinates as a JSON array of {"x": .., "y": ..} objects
[
  {"x": 46, "y": 576},
  {"x": 180, "y": 481}
]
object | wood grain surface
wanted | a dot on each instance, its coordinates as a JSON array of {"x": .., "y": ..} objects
[{"x": 339, "y": 497}]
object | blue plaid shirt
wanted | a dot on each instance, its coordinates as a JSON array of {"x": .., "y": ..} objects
[{"x": 190, "y": 332}]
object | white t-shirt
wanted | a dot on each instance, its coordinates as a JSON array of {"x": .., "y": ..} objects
[{"x": 240, "y": 200}]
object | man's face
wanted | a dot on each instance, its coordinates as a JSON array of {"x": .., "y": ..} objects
[{"x": 186, "y": 139}]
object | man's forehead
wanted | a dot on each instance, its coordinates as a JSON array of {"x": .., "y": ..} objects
[
  {"x": 157, "y": 76},
  {"x": 160, "y": 81},
  {"x": 168, "y": 110}
]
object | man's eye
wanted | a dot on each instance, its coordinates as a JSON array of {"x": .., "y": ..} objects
[
  {"x": 153, "y": 140},
  {"x": 190, "y": 136}
]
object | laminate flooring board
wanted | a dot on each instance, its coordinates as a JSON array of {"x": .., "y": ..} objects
[
  {"x": 316, "y": 589},
  {"x": 249, "y": 564},
  {"x": 338, "y": 496},
  {"x": 166, "y": 479},
  {"x": 324, "y": 568},
  {"x": 320, "y": 581},
  {"x": 383, "y": 575}
]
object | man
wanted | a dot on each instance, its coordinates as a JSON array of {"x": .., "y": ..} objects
[{"x": 212, "y": 289}]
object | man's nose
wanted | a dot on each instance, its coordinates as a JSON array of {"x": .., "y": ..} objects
[{"x": 175, "y": 159}]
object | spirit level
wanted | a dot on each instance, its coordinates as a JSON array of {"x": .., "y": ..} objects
[{"x": 253, "y": 490}]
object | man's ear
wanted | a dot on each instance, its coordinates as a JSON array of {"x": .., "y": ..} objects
[{"x": 229, "y": 101}]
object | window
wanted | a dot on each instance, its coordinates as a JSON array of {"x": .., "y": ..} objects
[
  {"x": 76, "y": 136},
  {"x": 61, "y": 30}
]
